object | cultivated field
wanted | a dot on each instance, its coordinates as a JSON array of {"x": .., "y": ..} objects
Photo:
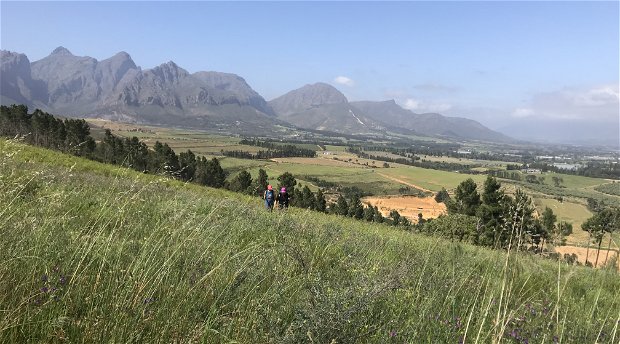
[{"x": 335, "y": 165}]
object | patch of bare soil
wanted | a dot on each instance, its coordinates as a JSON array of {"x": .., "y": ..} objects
[
  {"x": 581, "y": 254},
  {"x": 409, "y": 206}
]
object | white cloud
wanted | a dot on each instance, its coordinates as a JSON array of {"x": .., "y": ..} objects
[
  {"x": 343, "y": 80},
  {"x": 522, "y": 113},
  {"x": 411, "y": 104},
  {"x": 423, "y": 106},
  {"x": 597, "y": 104}
]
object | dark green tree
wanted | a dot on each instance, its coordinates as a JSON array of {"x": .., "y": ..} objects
[
  {"x": 395, "y": 216},
  {"x": 307, "y": 198},
  {"x": 288, "y": 181},
  {"x": 378, "y": 217},
  {"x": 605, "y": 221},
  {"x": 342, "y": 207},
  {"x": 242, "y": 182},
  {"x": 442, "y": 196},
  {"x": 261, "y": 182},
  {"x": 187, "y": 165},
  {"x": 320, "y": 203},
  {"x": 547, "y": 220},
  {"x": 466, "y": 199},
  {"x": 490, "y": 213},
  {"x": 356, "y": 209},
  {"x": 369, "y": 213}
]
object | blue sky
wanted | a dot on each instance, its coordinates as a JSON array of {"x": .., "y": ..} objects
[{"x": 497, "y": 62}]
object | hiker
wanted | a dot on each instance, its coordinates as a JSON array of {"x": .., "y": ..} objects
[
  {"x": 283, "y": 199},
  {"x": 269, "y": 197}
]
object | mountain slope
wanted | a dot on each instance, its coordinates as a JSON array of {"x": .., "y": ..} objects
[
  {"x": 16, "y": 83},
  {"x": 115, "y": 88},
  {"x": 322, "y": 107},
  {"x": 433, "y": 124}
]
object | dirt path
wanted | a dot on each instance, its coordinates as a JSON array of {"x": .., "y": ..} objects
[{"x": 404, "y": 182}]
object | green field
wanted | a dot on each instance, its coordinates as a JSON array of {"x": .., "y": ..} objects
[
  {"x": 430, "y": 179},
  {"x": 94, "y": 253},
  {"x": 609, "y": 188},
  {"x": 565, "y": 211}
]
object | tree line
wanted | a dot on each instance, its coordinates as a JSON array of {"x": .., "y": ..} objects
[
  {"x": 73, "y": 136},
  {"x": 497, "y": 220},
  {"x": 275, "y": 150},
  {"x": 413, "y": 160}
]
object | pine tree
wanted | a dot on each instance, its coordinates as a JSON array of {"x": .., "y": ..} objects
[
  {"x": 395, "y": 215},
  {"x": 308, "y": 200},
  {"x": 342, "y": 207},
  {"x": 369, "y": 213},
  {"x": 287, "y": 180},
  {"x": 356, "y": 209},
  {"x": 320, "y": 203},
  {"x": 466, "y": 199},
  {"x": 378, "y": 217}
]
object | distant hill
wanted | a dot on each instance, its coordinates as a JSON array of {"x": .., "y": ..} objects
[
  {"x": 432, "y": 124},
  {"x": 322, "y": 107}
]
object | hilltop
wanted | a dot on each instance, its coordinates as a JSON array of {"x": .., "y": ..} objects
[{"x": 94, "y": 252}]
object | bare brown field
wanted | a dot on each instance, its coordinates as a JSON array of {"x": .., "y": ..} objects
[
  {"x": 408, "y": 206},
  {"x": 581, "y": 254}
]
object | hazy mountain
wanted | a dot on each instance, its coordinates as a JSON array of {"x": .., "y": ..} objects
[
  {"x": 116, "y": 88},
  {"x": 321, "y": 106},
  {"x": 16, "y": 84},
  {"x": 76, "y": 84},
  {"x": 432, "y": 124}
]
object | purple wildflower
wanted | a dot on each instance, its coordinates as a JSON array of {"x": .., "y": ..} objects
[
  {"x": 44, "y": 290},
  {"x": 392, "y": 333}
]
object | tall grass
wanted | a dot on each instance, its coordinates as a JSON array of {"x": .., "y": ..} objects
[{"x": 95, "y": 253}]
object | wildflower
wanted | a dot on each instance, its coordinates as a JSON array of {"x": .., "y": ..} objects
[
  {"x": 62, "y": 279},
  {"x": 392, "y": 333},
  {"x": 44, "y": 290},
  {"x": 44, "y": 278}
]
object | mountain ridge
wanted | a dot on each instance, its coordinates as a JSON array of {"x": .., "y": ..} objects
[{"x": 116, "y": 88}]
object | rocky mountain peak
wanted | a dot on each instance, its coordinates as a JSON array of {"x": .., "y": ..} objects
[{"x": 61, "y": 51}]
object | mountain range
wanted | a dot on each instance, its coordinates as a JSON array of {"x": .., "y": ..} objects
[{"x": 117, "y": 89}]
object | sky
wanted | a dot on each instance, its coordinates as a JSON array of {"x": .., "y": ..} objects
[{"x": 505, "y": 64}]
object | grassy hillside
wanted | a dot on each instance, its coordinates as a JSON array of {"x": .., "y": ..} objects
[{"x": 96, "y": 253}]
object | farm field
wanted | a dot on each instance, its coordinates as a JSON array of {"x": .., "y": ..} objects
[{"x": 337, "y": 166}]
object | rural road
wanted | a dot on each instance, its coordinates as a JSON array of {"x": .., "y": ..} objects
[{"x": 404, "y": 182}]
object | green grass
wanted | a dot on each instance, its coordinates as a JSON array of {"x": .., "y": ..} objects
[
  {"x": 93, "y": 253},
  {"x": 609, "y": 188},
  {"x": 574, "y": 213},
  {"x": 433, "y": 180}
]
